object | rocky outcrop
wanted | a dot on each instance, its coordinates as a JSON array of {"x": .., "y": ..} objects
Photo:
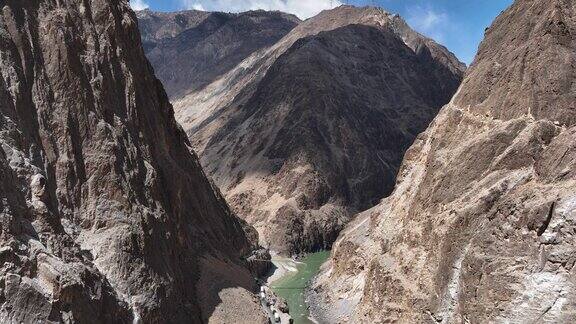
[
  {"x": 191, "y": 49},
  {"x": 305, "y": 133},
  {"x": 260, "y": 262},
  {"x": 480, "y": 227},
  {"x": 105, "y": 213}
]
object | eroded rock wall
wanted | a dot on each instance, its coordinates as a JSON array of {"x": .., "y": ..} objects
[
  {"x": 480, "y": 227},
  {"x": 106, "y": 213}
]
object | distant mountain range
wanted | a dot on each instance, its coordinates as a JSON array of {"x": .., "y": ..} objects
[
  {"x": 191, "y": 49},
  {"x": 308, "y": 122}
]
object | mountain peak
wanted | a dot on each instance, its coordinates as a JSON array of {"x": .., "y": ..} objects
[{"x": 379, "y": 18}]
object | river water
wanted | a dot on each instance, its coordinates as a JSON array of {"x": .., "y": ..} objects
[{"x": 291, "y": 286}]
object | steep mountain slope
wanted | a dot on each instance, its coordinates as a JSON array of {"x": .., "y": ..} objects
[
  {"x": 480, "y": 227},
  {"x": 190, "y": 49},
  {"x": 106, "y": 215},
  {"x": 303, "y": 134}
]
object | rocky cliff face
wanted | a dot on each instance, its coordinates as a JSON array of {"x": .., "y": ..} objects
[
  {"x": 303, "y": 134},
  {"x": 480, "y": 227},
  {"x": 191, "y": 49},
  {"x": 106, "y": 215}
]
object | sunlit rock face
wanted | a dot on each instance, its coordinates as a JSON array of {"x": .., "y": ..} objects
[
  {"x": 105, "y": 213},
  {"x": 307, "y": 131},
  {"x": 480, "y": 227}
]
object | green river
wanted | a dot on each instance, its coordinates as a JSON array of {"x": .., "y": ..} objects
[{"x": 292, "y": 285}]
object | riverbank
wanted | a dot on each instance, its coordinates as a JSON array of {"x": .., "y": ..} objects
[
  {"x": 290, "y": 280},
  {"x": 282, "y": 267}
]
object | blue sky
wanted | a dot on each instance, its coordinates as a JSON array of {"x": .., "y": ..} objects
[{"x": 457, "y": 24}]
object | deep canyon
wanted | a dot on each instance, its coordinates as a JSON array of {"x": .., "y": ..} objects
[{"x": 198, "y": 167}]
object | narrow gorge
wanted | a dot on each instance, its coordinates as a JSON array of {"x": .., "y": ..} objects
[{"x": 310, "y": 128}]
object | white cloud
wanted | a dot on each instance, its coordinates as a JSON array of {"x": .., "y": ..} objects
[
  {"x": 198, "y": 6},
  {"x": 138, "y": 5},
  {"x": 429, "y": 22},
  {"x": 301, "y": 8}
]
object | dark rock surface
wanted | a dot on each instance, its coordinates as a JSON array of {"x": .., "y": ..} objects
[
  {"x": 303, "y": 134},
  {"x": 191, "y": 49},
  {"x": 480, "y": 227},
  {"x": 105, "y": 213}
]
